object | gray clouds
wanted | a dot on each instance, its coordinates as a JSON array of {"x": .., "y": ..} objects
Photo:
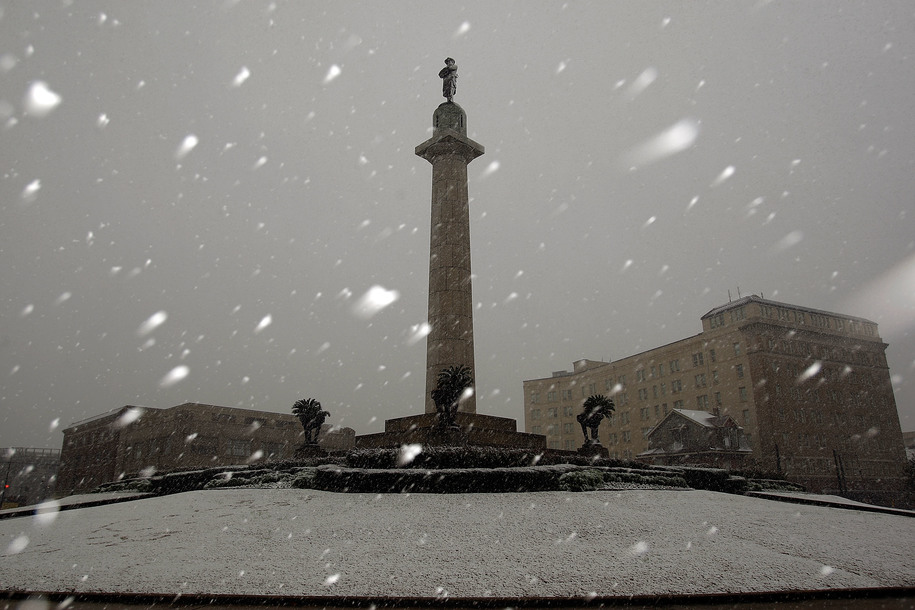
[{"x": 302, "y": 191}]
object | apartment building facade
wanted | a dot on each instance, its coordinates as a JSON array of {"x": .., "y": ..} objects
[
  {"x": 810, "y": 389},
  {"x": 132, "y": 440}
]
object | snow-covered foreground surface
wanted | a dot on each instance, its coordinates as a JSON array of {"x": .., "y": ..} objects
[{"x": 306, "y": 542}]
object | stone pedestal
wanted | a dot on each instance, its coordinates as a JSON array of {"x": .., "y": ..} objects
[
  {"x": 450, "y": 340},
  {"x": 472, "y": 429},
  {"x": 309, "y": 451},
  {"x": 592, "y": 450}
]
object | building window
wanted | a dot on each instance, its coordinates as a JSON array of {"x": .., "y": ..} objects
[
  {"x": 238, "y": 448},
  {"x": 551, "y": 396},
  {"x": 697, "y": 359},
  {"x": 676, "y": 386},
  {"x": 657, "y": 411},
  {"x": 535, "y": 397},
  {"x": 715, "y": 376},
  {"x": 718, "y": 398},
  {"x": 663, "y": 390},
  {"x": 640, "y": 375},
  {"x": 700, "y": 380},
  {"x": 738, "y": 314},
  {"x": 644, "y": 413},
  {"x": 643, "y": 393},
  {"x": 678, "y": 404},
  {"x": 272, "y": 449},
  {"x": 711, "y": 355},
  {"x": 746, "y": 417},
  {"x": 627, "y": 436},
  {"x": 654, "y": 391},
  {"x": 536, "y": 429},
  {"x": 739, "y": 369},
  {"x": 743, "y": 394},
  {"x": 661, "y": 370},
  {"x": 205, "y": 445},
  {"x": 567, "y": 411},
  {"x": 535, "y": 413},
  {"x": 702, "y": 402},
  {"x": 674, "y": 366},
  {"x": 552, "y": 412},
  {"x": 567, "y": 428},
  {"x": 737, "y": 349}
]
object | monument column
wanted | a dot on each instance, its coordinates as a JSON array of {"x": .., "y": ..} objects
[{"x": 450, "y": 340}]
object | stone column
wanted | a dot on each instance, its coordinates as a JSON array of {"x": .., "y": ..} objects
[{"x": 450, "y": 341}]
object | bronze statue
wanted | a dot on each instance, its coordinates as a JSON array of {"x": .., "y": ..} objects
[
  {"x": 309, "y": 412},
  {"x": 449, "y": 75},
  {"x": 595, "y": 409}
]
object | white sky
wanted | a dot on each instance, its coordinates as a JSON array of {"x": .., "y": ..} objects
[{"x": 195, "y": 195}]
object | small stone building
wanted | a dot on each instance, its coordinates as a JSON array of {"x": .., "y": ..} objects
[
  {"x": 132, "y": 440},
  {"x": 697, "y": 437}
]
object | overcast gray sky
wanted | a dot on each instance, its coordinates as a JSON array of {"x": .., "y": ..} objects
[{"x": 196, "y": 195}]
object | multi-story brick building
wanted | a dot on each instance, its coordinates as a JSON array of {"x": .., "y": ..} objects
[
  {"x": 132, "y": 440},
  {"x": 811, "y": 390},
  {"x": 28, "y": 475}
]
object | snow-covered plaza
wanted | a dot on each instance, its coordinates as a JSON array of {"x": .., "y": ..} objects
[{"x": 548, "y": 544}]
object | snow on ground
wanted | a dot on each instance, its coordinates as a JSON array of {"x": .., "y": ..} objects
[{"x": 307, "y": 542}]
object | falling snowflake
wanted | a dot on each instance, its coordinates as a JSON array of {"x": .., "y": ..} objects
[
  {"x": 810, "y": 371},
  {"x": 187, "y": 145},
  {"x": 264, "y": 323},
  {"x": 151, "y": 323},
  {"x": 30, "y": 192},
  {"x": 408, "y": 453},
  {"x": 418, "y": 332},
  {"x": 332, "y": 73},
  {"x": 17, "y": 545},
  {"x": 40, "y": 100},
  {"x": 639, "y": 548},
  {"x": 241, "y": 77},
  {"x": 723, "y": 176},
  {"x": 129, "y": 416},
  {"x": 676, "y": 138},
  {"x": 331, "y": 579},
  {"x": 46, "y": 513},
  {"x": 174, "y": 376},
  {"x": 374, "y": 300}
]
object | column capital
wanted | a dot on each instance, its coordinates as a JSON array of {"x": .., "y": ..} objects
[{"x": 449, "y": 142}]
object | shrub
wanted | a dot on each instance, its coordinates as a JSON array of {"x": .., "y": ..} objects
[
  {"x": 581, "y": 480},
  {"x": 304, "y": 478}
]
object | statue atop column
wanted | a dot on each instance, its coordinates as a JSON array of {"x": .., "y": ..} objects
[{"x": 449, "y": 75}]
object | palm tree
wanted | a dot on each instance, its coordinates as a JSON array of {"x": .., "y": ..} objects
[
  {"x": 452, "y": 383},
  {"x": 595, "y": 408},
  {"x": 309, "y": 412}
]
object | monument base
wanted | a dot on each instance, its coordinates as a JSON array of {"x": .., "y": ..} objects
[
  {"x": 471, "y": 429},
  {"x": 309, "y": 451},
  {"x": 592, "y": 450}
]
